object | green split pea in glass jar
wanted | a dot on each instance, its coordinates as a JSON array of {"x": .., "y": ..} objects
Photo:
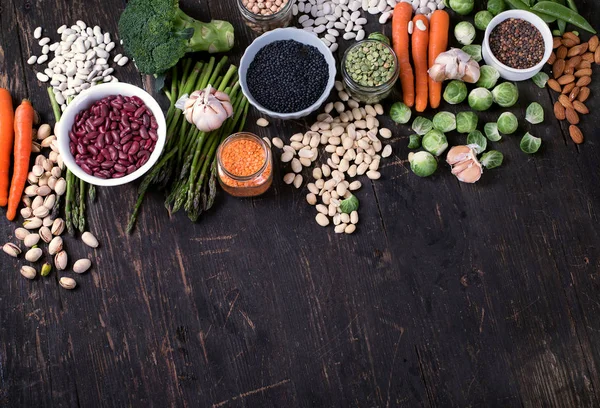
[{"x": 370, "y": 69}]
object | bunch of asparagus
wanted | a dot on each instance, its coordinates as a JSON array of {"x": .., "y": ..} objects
[{"x": 187, "y": 169}]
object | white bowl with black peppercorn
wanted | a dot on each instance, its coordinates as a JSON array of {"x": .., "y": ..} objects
[
  {"x": 108, "y": 171},
  {"x": 277, "y": 87},
  {"x": 508, "y": 72}
]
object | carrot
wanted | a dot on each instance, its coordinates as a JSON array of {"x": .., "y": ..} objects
[
  {"x": 400, "y": 41},
  {"x": 420, "y": 41},
  {"x": 438, "y": 42},
  {"x": 23, "y": 134},
  {"x": 6, "y": 142}
]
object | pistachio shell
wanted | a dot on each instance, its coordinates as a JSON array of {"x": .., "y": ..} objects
[
  {"x": 55, "y": 246},
  {"x": 60, "y": 260},
  {"x": 11, "y": 249},
  {"x": 67, "y": 283},
  {"x": 34, "y": 254},
  {"x": 82, "y": 265},
  {"x": 28, "y": 272},
  {"x": 89, "y": 239}
]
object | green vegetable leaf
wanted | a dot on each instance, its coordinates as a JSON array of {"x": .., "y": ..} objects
[
  {"x": 530, "y": 144},
  {"x": 422, "y": 125},
  {"x": 349, "y": 204},
  {"x": 540, "y": 79},
  {"x": 491, "y": 131},
  {"x": 474, "y": 51},
  {"x": 506, "y": 94},
  {"x": 435, "y": 142},
  {"x": 491, "y": 159},
  {"x": 423, "y": 164},
  {"x": 482, "y": 19},
  {"x": 534, "y": 113},
  {"x": 414, "y": 141},
  {"x": 466, "y": 122},
  {"x": 455, "y": 92},
  {"x": 496, "y": 6},
  {"x": 488, "y": 77},
  {"x": 508, "y": 123},
  {"x": 480, "y": 99},
  {"x": 478, "y": 139},
  {"x": 464, "y": 32},
  {"x": 400, "y": 113},
  {"x": 444, "y": 122}
]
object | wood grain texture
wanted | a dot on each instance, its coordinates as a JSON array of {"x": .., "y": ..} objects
[{"x": 447, "y": 294}]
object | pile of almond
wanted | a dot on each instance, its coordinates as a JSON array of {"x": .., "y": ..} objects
[{"x": 571, "y": 63}]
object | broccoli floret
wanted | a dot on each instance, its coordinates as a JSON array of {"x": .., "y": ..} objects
[{"x": 156, "y": 34}]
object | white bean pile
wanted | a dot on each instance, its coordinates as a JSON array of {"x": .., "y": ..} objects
[
  {"x": 330, "y": 19},
  {"x": 351, "y": 139},
  {"x": 81, "y": 60}
]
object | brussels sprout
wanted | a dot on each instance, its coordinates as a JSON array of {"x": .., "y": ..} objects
[
  {"x": 491, "y": 159},
  {"x": 435, "y": 142},
  {"x": 482, "y": 19},
  {"x": 506, "y": 94},
  {"x": 400, "y": 113},
  {"x": 464, "y": 32},
  {"x": 491, "y": 131},
  {"x": 488, "y": 77},
  {"x": 444, "y": 121},
  {"x": 379, "y": 37},
  {"x": 540, "y": 79},
  {"x": 508, "y": 123},
  {"x": 530, "y": 144},
  {"x": 474, "y": 51},
  {"x": 496, "y": 6},
  {"x": 422, "y": 125},
  {"x": 478, "y": 140},
  {"x": 462, "y": 7},
  {"x": 423, "y": 164},
  {"x": 466, "y": 122},
  {"x": 535, "y": 113},
  {"x": 414, "y": 141},
  {"x": 349, "y": 204},
  {"x": 456, "y": 92},
  {"x": 480, "y": 99}
]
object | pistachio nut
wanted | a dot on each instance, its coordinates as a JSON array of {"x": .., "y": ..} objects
[
  {"x": 67, "y": 283},
  {"x": 53, "y": 157},
  {"x": 89, "y": 239},
  {"x": 32, "y": 223},
  {"x": 56, "y": 172},
  {"x": 37, "y": 202},
  {"x": 28, "y": 272},
  {"x": 48, "y": 221},
  {"x": 60, "y": 260},
  {"x": 39, "y": 159},
  {"x": 60, "y": 187},
  {"x": 26, "y": 212},
  {"x": 43, "y": 131},
  {"x": 26, "y": 201},
  {"x": 41, "y": 212},
  {"x": 58, "y": 226},
  {"x": 47, "y": 165},
  {"x": 52, "y": 181},
  {"x": 32, "y": 178},
  {"x": 31, "y": 240},
  {"x": 82, "y": 265},
  {"x": 43, "y": 181},
  {"x": 21, "y": 233},
  {"x": 48, "y": 141},
  {"x": 45, "y": 234},
  {"x": 34, "y": 254},
  {"x": 55, "y": 246},
  {"x": 43, "y": 190},
  {"x": 37, "y": 170},
  {"x": 60, "y": 162},
  {"x": 46, "y": 269},
  {"x": 31, "y": 191},
  {"x": 11, "y": 249},
  {"x": 50, "y": 201}
]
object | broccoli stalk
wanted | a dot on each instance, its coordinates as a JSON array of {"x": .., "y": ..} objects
[{"x": 156, "y": 34}]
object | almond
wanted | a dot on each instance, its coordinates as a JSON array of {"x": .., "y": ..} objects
[
  {"x": 580, "y": 107},
  {"x": 561, "y": 53},
  {"x": 571, "y": 36},
  {"x": 569, "y": 71},
  {"x": 564, "y": 101},
  {"x": 568, "y": 42},
  {"x": 552, "y": 58},
  {"x": 584, "y": 81},
  {"x": 593, "y": 43},
  {"x": 574, "y": 93},
  {"x": 573, "y": 62},
  {"x": 558, "y": 68},
  {"x": 588, "y": 56},
  {"x": 597, "y": 56},
  {"x": 584, "y": 94},
  {"x": 568, "y": 88},
  {"x": 554, "y": 85},
  {"x": 572, "y": 116},
  {"x": 576, "y": 134},
  {"x": 566, "y": 79},
  {"x": 583, "y": 72},
  {"x": 556, "y": 42},
  {"x": 577, "y": 50},
  {"x": 584, "y": 65},
  {"x": 559, "y": 111}
]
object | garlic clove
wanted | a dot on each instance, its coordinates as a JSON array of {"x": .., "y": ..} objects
[
  {"x": 461, "y": 166},
  {"x": 471, "y": 174},
  {"x": 458, "y": 154}
]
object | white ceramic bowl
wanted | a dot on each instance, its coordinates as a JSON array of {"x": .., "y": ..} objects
[
  {"x": 506, "y": 72},
  {"x": 278, "y": 34},
  {"x": 86, "y": 99}
]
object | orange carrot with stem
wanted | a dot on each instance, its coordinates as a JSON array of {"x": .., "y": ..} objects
[
  {"x": 420, "y": 41},
  {"x": 400, "y": 42},
  {"x": 23, "y": 135},
  {"x": 6, "y": 142},
  {"x": 438, "y": 43}
]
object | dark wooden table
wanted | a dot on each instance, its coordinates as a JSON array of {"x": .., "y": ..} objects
[{"x": 447, "y": 295}]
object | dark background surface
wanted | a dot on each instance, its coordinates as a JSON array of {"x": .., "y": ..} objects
[{"x": 447, "y": 295}]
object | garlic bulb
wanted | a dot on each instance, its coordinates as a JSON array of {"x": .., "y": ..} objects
[
  {"x": 455, "y": 64},
  {"x": 207, "y": 109},
  {"x": 465, "y": 165}
]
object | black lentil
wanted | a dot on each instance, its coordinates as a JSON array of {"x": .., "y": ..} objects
[
  {"x": 517, "y": 43},
  {"x": 287, "y": 76}
]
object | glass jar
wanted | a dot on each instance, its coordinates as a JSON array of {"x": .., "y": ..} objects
[
  {"x": 369, "y": 94},
  {"x": 233, "y": 156},
  {"x": 261, "y": 23}
]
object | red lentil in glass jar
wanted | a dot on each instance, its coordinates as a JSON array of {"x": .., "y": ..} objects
[
  {"x": 245, "y": 165},
  {"x": 265, "y": 15}
]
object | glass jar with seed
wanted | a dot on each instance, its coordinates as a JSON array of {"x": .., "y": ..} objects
[
  {"x": 266, "y": 15},
  {"x": 245, "y": 165},
  {"x": 369, "y": 70}
]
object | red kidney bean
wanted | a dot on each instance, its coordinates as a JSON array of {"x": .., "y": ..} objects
[
  {"x": 153, "y": 135},
  {"x": 100, "y": 175},
  {"x": 126, "y": 147},
  {"x": 146, "y": 120},
  {"x": 92, "y": 163},
  {"x": 139, "y": 111},
  {"x": 125, "y": 120},
  {"x": 122, "y": 155},
  {"x": 135, "y": 126},
  {"x": 144, "y": 132},
  {"x": 148, "y": 144},
  {"x": 124, "y": 162},
  {"x": 126, "y": 139},
  {"x": 129, "y": 107},
  {"x": 117, "y": 175},
  {"x": 120, "y": 168},
  {"x": 108, "y": 164},
  {"x": 93, "y": 150},
  {"x": 135, "y": 146},
  {"x": 80, "y": 148},
  {"x": 86, "y": 168},
  {"x": 131, "y": 169}
]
